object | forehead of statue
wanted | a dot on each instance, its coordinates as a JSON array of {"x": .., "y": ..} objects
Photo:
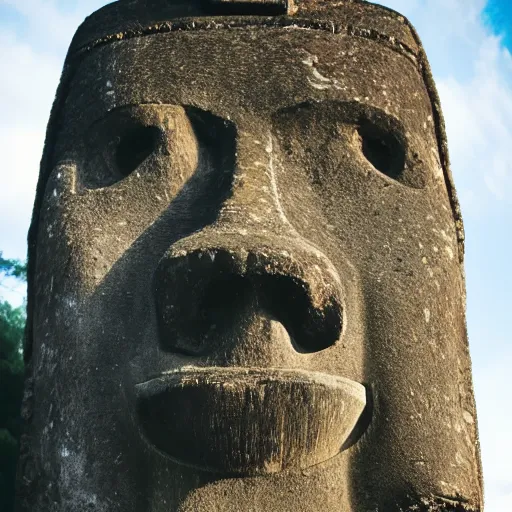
[{"x": 241, "y": 73}]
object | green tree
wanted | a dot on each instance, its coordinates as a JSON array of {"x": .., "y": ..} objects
[{"x": 12, "y": 326}]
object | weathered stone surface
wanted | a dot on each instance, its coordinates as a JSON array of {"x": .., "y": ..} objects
[{"x": 245, "y": 287}]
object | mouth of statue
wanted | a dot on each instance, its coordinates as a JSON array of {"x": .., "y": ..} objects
[{"x": 249, "y": 421}]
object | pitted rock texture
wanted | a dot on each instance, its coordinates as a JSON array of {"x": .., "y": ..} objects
[{"x": 245, "y": 282}]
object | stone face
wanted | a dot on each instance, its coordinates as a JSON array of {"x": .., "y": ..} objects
[{"x": 246, "y": 289}]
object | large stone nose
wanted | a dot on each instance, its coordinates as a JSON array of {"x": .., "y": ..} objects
[
  {"x": 249, "y": 278},
  {"x": 205, "y": 291}
]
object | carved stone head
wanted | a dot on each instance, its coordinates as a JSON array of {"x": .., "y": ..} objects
[{"x": 246, "y": 289}]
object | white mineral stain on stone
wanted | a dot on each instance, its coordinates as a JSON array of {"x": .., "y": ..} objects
[
  {"x": 468, "y": 417},
  {"x": 449, "y": 251},
  {"x": 310, "y": 60},
  {"x": 319, "y": 81},
  {"x": 273, "y": 184},
  {"x": 319, "y": 76},
  {"x": 320, "y": 87},
  {"x": 70, "y": 302},
  {"x": 445, "y": 236},
  {"x": 426, "y": 311},
  {"x": 73, "y": 483}
]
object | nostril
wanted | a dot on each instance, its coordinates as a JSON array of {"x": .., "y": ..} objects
[
  {"x": 281, "y": 297},
  {"x": 223, "y": 296},
  {"x": 311, "y": 329}
]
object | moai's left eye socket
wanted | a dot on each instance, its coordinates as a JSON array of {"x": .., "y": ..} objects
[
  {"x": 135, "y": 146},
  {"x": 331, "y": 139},
  {"x": 382, "y": 149}
]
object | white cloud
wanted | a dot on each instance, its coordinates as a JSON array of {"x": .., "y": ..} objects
[
  {"x": 27, "y": 91},
  {"x": 498, "y": 502},
  {"x": 31, "y": 63},
  {"x": 49, "y": 25},
  {"x": 28, "y": 82},
  {"x": 479, "y": 123},
  {"x": 40, "y": 15},
  {"x": 495, "y": 424}
]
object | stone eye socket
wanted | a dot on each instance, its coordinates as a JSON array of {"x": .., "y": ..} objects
[
  {"x": 333, "y": 138},
  {"x": 382, "y": 149},
  {"x": 135, "y": 146}
]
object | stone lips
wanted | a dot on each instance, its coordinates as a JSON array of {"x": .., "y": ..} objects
[{"x": 249, "y": 421}]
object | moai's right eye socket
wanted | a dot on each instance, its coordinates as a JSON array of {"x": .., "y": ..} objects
[
  {"x": 157, "y": 143},
  {"x": 135, "y": 146},
  {"x": 120, "y": 144},
  {"x": 382, "y": 149}
]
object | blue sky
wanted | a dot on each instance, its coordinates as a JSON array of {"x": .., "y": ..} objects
[
  {"x": 499, "y": 17},
  {"x": 468, "y": 43}
]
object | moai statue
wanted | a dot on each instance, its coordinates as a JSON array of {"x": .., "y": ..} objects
[{"x": 246, "y": 289}]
